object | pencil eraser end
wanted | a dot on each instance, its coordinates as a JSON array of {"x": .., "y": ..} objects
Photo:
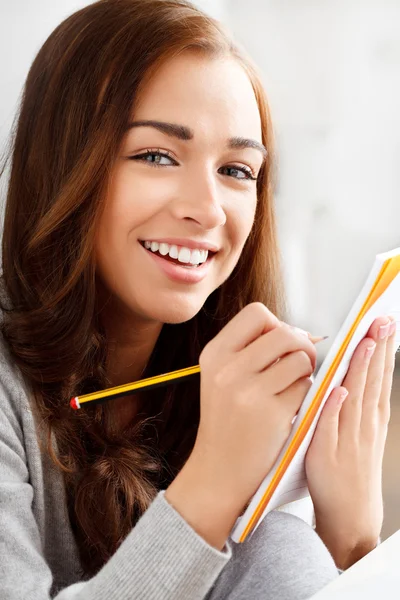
[{"x": 74, "y": 403}]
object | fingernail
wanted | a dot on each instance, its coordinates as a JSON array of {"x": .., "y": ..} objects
[
  {"x": 393, "y": 328},
  {"x": 342, "y": 397},
  {"x": 300, "y": 330},
  {"x": 369, "y": 350},
  {"x": 383, "y": 331}
]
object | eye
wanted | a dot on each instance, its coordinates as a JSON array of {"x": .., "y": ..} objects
[
  {"x": 238, "y": 172},
  {"x": 155, "y": 158}
]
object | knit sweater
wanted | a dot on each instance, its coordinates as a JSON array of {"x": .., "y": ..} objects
[{"x": 162, "y": 558}]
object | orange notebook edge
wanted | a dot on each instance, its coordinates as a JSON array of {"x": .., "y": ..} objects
[{"x": 386, "y": 275}]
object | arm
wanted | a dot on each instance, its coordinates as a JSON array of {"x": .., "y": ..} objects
[{"x": 161, "y": 557}]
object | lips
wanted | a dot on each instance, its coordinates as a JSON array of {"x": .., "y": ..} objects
[{"x": 180, "y": 272}]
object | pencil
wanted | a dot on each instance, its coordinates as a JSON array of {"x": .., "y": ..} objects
[{"x": 149, "y": 383}]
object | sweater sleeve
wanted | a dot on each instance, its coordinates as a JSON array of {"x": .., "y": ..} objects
[{"x": 162, "y": 557}]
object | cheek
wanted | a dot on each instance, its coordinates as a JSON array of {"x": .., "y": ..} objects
[
  {"x": 131, "y": 202},
  {"x": 244, "y": 217},
  {"x": 241, "y": 222}
]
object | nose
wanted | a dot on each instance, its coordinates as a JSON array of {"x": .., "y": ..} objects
[{"x": 200, "y": 200}]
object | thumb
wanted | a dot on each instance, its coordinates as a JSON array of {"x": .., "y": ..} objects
[{"x": 327, "y": 430}]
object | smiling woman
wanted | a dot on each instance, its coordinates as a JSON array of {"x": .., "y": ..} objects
[
  {"x": 139, "y": 223},
  {"x": 202, "y": 188}
]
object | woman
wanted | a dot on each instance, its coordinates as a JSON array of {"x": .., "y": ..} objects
[{"x": 144, "y": 132}]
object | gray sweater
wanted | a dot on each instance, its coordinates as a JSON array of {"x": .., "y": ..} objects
[{"x": 162, "y": 558}]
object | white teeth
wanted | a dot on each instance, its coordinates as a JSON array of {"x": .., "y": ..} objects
[
  {"x": 195, "y": 257},
  {"x": 182, "y": 253},
  {"x": 163, "y": 249}
]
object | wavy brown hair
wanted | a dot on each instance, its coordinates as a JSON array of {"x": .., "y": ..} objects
[{"x": 73, "y": 114}]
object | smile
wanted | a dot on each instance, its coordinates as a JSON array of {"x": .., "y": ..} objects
[{"x": 178, "y": 271}]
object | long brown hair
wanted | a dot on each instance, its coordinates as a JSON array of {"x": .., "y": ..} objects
[{"x": 74, "y": 110}]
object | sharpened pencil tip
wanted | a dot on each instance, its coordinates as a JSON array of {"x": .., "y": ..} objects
[{"x": 316, "y": 339}]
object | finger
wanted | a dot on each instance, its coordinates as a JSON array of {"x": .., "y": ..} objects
[
  {"x": 247, "y": 325},
  {"x": 390, "y": 360},
  {"x": 292, "y": 398},
  {"x": 373, "y": 385},
  {"x": 277, "y": 343},
  {"x": 327, "y": 431},
  {"x": 355, "y": 381},
  {"x": 387, "y": 381},
  {"x": 284, "y": 373}
]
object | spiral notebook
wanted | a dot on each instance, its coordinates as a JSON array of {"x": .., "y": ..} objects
[{"x": 286, "y": 481}]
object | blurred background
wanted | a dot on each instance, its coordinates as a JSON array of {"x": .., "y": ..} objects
[{"x": 331, "y": 69}]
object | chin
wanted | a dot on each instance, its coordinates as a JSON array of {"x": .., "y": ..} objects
[{"x": 175, "y": 313}]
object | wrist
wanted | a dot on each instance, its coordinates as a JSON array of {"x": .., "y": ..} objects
[
  {"x": 347, "y": 557},
  {"x": 345, "y": 549},
  {"x": 205, "y": 506}
]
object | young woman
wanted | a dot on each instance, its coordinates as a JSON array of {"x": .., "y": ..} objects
[{"x": 140, "y": 238}]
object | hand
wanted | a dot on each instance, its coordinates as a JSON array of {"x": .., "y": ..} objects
[
  {"x": 344, "y": 460},
  {"x": 255, "y": 375}
]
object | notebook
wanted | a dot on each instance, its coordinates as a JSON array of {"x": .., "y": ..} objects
[{"x": 286, "y": 481}]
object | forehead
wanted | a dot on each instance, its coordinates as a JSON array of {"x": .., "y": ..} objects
[{"x": 205, "y": 93}]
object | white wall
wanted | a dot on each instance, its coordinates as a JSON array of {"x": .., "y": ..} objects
[{"x": 332, "y": 73}]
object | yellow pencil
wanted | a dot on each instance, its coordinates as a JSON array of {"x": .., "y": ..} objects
[{"x": 148, "y": 383}]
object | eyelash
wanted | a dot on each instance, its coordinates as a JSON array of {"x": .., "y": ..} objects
[{"x": 142, "y": 157}]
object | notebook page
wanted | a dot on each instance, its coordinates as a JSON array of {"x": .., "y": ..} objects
[{"x": 293, "y": 485}]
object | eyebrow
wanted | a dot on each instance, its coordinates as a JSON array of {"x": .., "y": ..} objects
[{"x": 185, "y": 133}]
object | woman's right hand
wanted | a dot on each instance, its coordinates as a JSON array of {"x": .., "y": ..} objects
[{"x": 255, "y": 375}]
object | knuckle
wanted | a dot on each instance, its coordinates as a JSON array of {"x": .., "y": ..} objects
[
  {"x": 288, "y": 332},
  {"x": 371, "y": 432},
  {"x": 225, "y": 375},
  {"x": 260, "y": 311},
  {"x": 304, "y": 361},
  {"x": 288, "y": 341},
  {"x": 286, "y": 335},
  {"x": 304, "y": 385},
  {"x": 375, "y": 382},
  {"x": 352, "y": 444},
  {"x": 384, "y": 421},
  {"x": 205, "y": 355},
  {"x": 208, "y": 355},
  {"x": 258, "y": 307},
  {"x": 384, "y": 415},
  {"x": 293, "y": 339},
  {"x": 389, "y": 368}
]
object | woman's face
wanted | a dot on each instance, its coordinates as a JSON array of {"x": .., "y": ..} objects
[{"x": 185, "y": 179}]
